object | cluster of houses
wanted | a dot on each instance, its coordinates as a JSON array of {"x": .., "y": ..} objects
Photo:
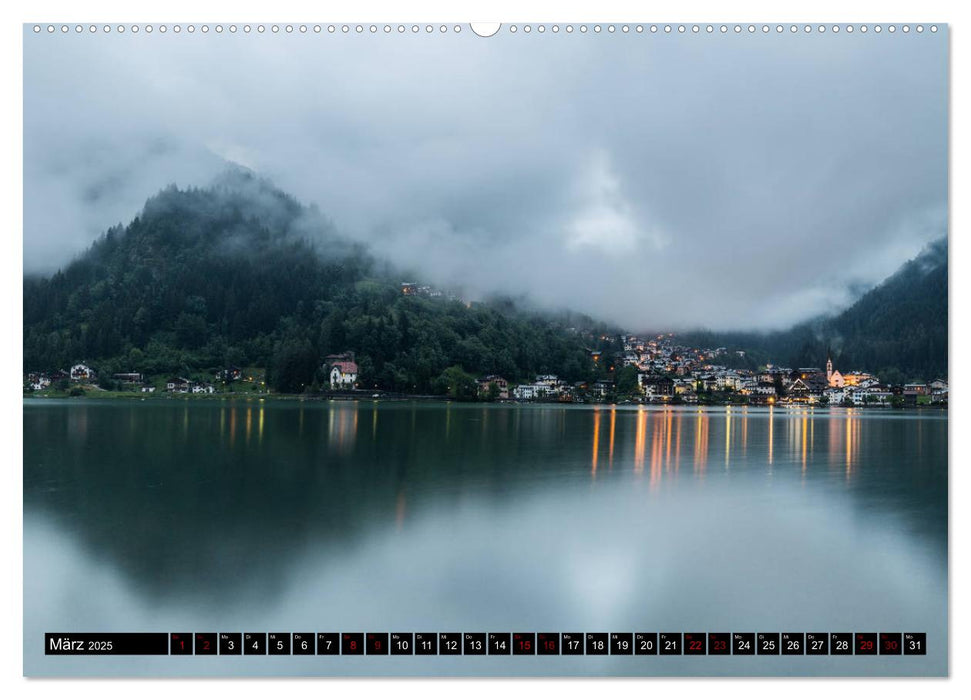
[
  {"x": 78, "y": 374},
  {"x": 546, "y": 387},
  {"x": 666, "y": 372},
  {"x": 414, "y": 289},
  {"x": 81, "y": 373},
  {"x": 662, "y": 355},
  {"x": 341, "y": 370},
  {"x": 669, "y": 372},
  {"x": 181, "y": 385}
]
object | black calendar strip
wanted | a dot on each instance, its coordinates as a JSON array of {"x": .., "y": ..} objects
[{"x": 488, "y": 644}]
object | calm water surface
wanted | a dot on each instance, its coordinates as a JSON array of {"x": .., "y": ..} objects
[{"x": 234, "y": 516}]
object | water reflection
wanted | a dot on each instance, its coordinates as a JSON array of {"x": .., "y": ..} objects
[
  {"x": 640, "y": 440},
  {"x": 596, "y": 440},
  {"x": 728, "y": 437},
  {"x": 399, "y": 511},
  {"x": 771, "y": 430},
  {"x": 342, "y": 426},
  {"x": 850, "y": 443},
  {"x": 613, "y": 428},
  {"x": 701, "y": 442},
  {"x": 193, "y": 510}
]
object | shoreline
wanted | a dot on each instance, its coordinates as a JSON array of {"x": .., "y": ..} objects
[{"x": 377, "y": 396}]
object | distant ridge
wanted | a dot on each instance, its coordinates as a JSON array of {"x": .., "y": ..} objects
[{"x": 897, "y": 330}]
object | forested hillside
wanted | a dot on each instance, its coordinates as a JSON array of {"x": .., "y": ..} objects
[
  {"x": 242, "y": 275},
  {"x": 897, "y": 330}
]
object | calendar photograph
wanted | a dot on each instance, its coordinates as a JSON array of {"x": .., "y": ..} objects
[{"x": 513, "y": 350}]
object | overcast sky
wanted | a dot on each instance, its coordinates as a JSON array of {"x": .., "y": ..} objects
[{"x": 657, "y": 181}]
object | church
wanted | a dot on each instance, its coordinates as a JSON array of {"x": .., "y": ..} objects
[{"x": 833, "y": 377}]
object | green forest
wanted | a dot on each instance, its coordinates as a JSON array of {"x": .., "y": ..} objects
[{"x": 243, "y": 275}]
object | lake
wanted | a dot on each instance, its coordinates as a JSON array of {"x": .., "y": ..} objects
[{"x": 173, "y": 515}]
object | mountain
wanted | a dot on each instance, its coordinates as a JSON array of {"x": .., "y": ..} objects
[
  {"x": 240, "y": 274},
  {"x": 897, "y": 330},
  {"x": 900, "y": 324}
]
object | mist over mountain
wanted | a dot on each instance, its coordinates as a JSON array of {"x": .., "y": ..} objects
[
  {"x": 611, "y": 189},
  {"x": 241, "y": 274},
  {"x": 897, "y": 329}
]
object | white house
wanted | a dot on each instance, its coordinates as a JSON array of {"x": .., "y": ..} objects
[
  {"x": 525, "y": 392},
  {"x": 343, "y": 374},
  {"x": 683, "y": 386},
  {"x": 749, "y": 385},
  {"x": 601, "y": 388},
  {"x": 835, "y": 394},
  {"x": 39, "y": 382},
  {"x": 81, "y": 373},
  {"x": 872, "y": 394},
  {"x": 180, "y": 385},
  {"x": 729, "y": 380},
  {"x": 548, "y": 385}
]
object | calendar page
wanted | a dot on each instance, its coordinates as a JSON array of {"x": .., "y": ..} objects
[{"x": 485, "y": 350}]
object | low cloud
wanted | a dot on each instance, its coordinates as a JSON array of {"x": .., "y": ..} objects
[{"x": 677, "y": 181}]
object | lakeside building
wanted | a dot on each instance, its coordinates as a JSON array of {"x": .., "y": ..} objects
[
  {"x": 81, "y": 373},
  {"x": 501, "y": 385},
  {"x": 341, "y": 370},
  {"x": 129, "y": 378},
  {"x": 178, "y": 385},
  {"x": 525, "y": 392}
]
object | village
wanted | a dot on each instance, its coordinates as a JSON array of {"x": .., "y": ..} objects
[
  {"x": 648, "y": 370},
  {"x": 667, "y": 372},
  {"x": 81, "y": 376}
]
